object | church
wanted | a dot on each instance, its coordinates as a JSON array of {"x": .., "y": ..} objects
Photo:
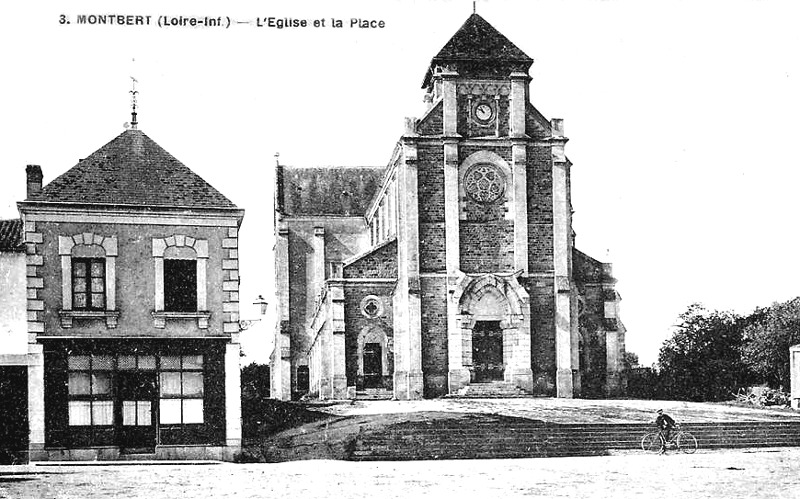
[{"x": 451, "y": 271}]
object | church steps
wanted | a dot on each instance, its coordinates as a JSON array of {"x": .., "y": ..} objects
[{"x": 505, "y": 438}]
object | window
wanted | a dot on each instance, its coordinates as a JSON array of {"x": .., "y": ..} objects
[
  {"x": 180, "y": 285},
  {"x": 181, "y": 389},
  {"x": 88, "y": 275},
  {"x": 371, "y": 306},
  {"x": 90, "y": 390},
  {"x": 180, "y": 264},
  {"x": 88, "y": 283}
]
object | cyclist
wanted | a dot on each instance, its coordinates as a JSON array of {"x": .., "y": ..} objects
[{"x": 665, "y": 425}]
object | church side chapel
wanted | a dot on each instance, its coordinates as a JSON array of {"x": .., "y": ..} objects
[{"x": 452, "y": 270}]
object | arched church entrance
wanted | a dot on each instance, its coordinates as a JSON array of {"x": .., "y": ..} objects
[
  {"x": 487, "y": 352},
  {"x": 375, "y": 359},
  {"x": 373, "y": 365},
  {"x": 492, "y": 340}
]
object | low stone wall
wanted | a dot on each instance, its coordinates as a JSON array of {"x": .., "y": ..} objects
[{"x": 162, "y": 452}]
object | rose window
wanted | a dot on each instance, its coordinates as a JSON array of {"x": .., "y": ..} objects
[
  {"x": 371, "y": 307},
  {"x": 484, "y": 183}
]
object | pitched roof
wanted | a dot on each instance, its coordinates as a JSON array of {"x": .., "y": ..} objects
[
  {"x": 478, "y": 41},
  {"x": 132, "y": 170},
  {"x": 11, "y": 235},
  {"x": 339, "y": 191}
]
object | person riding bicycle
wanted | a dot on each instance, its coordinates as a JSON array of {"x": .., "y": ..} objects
[{"x": 665, "y": 425}]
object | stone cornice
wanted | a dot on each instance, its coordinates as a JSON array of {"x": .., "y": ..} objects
[
  {"x": 315, "y": 218},
  {"x": 67, "y": 212}
]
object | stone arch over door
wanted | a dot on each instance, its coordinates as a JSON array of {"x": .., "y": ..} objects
[
  {"x": 492, "y": 297},
  {"x": 371, "y": 335}
]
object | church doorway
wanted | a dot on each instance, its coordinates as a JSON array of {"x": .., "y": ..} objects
[
  {"x": 487, "y": 351},
  {"x": 373, "y": 365}
]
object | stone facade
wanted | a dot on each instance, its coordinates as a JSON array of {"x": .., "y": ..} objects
[
  {"x": 454, "y": 264},
  {"x": 132, "y": 309}
]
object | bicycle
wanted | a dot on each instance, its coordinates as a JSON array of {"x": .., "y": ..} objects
[{"x": 680, "y": 439}]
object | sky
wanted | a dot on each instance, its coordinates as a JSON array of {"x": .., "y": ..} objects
[{"x": 681, "y": 117}]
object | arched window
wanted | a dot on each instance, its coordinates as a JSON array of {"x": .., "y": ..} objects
[
  {"x": 88, "y": 275},
  {"x": 180, "y": 263}
]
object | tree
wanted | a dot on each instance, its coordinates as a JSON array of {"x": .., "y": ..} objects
[
  {"x": 768, "y": 335},
  {"x": 703, "y": 359},
  {"x": 629, "y": 361}
]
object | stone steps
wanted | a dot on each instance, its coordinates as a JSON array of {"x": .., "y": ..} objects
[
  {"x": 487, "y": 437},
  {"x": 494, "y": 389},
  {"x": 374, "y": 394}
]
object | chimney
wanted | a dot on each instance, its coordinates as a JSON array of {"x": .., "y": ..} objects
[{"x": 34, "y": 176}]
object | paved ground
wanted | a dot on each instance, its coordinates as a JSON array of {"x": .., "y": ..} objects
[
  {"x": 571, "y": 410},
  {"x": 761, "y": 474}
]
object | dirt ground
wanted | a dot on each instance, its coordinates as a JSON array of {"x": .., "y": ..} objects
[
  {"x": 570, "y": 410},
  {"x": 729, "y": 474}
]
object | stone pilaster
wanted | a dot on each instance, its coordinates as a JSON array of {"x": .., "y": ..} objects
[
  {"x": 408, "y": 321},
  {"x": 458, "y": 375},
  {"x": 615, "y": 338},
  {"x": 233, "y": 399},
  {"x": 450, "y": 104},
  {"x": 337, "y": 347},
  {"x": 36, "y": 401},
  {"x": 575, "y": 339},
  {"x": 520, "y": 203},
  {"x": 319, "y": 260},
  {"x": 613, "y": 364},
  {"x": 519, "y": 101},
  {"x": 281, "y": 366},
  {"x": 562, "y": 235}
]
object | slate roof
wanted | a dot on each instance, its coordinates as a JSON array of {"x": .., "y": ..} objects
[
  {"x": 478, "y": 41},
  {"x": 132, "y": 170},
  {"x": 339, "y": 191},
  {"x": 11, "y": 235}
]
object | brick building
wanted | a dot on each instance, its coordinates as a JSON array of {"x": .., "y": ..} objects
[
  {"x": 132, "y": 309},
  {"x": 452, "y": 269}
]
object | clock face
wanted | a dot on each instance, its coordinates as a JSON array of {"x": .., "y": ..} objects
[{"x": 484, "y": 112}]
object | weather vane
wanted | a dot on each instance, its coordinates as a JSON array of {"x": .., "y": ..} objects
[{"x": 133, "y": 93}]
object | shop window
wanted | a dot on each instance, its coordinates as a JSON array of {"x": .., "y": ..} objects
[
  {"x": 181, "y": 389},
  {"x": 90, "y": 390}
]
